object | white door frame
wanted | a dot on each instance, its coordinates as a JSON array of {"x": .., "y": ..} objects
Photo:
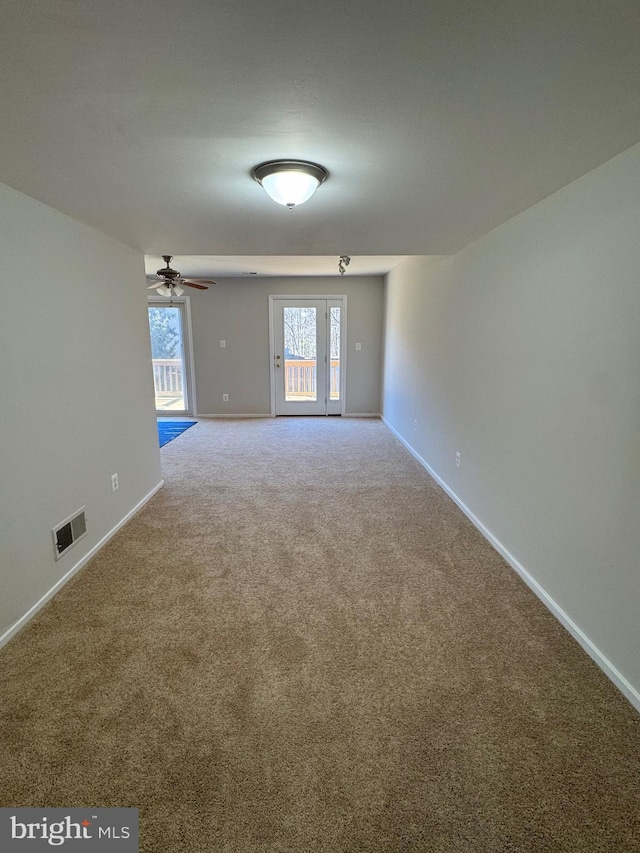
[
  {"x": 184, "y": 303},
  {"x": 343, "y": 341}
]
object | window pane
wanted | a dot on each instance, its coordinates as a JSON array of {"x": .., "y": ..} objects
[
  {"x": 334, "y": 342},
  {"x": 165, "y": 328},
  {"x": 300, "y": 355}
]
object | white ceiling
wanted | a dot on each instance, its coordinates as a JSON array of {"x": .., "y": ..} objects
[{"x": 437, "y": 119}]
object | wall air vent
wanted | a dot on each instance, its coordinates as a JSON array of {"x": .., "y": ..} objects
[{"x": 68, "y": 532}]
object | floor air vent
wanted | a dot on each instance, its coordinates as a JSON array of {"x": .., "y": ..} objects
[{"x": 68, "y": 532}]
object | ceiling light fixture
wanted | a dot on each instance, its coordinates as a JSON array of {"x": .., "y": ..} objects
[{"x": 289, "y": 182}]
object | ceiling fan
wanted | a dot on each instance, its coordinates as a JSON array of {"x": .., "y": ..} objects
[{"x": 168, "y": 282}]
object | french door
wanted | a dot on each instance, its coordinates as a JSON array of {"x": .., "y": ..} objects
[{"x": 307, "y": 343}]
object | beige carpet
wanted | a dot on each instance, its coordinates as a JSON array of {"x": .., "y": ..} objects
[{"x": 301, "y": 644}]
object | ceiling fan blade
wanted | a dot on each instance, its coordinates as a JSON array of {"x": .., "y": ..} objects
[
  {"x": 195, "y": 284},
  {"x": 155, "y": 284},
  {"x": 203, "y": 280}
]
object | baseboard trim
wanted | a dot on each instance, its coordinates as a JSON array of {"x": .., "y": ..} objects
[
  {"x": 262, "y": 415},
  {"x": 10, "y": 633},
  {"x": 625, "y": 687}
]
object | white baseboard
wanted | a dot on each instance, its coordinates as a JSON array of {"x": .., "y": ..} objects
[
  {"x": 625, "y": 687},
  {"x": 346, "y": 415},
  {"x": 31, "y": 612},
  {"x": 262, "y": 415}
]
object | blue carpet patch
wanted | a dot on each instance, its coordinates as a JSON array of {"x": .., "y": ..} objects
[{"x": 168, "y": 430}]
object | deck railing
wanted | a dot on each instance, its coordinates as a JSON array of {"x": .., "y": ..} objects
[
  {"x": 300, "y": 377},
  {"x": 167, "y": 376}
]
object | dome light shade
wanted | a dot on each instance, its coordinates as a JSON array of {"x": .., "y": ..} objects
[{"x": 290, "y": 182}]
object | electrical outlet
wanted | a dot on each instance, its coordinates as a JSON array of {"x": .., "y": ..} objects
[
  {"x": 358, "y": 346},
  {"x": 225, "y": 398},
  {"x": 223, "y": 344},
  {"x": 415, "y": 423},
  {"x": 458, "y": 459},
  {"x": 114, "y": 483}
]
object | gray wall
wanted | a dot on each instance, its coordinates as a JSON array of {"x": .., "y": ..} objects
[
  {"x": 77, "y": 393},
  {"x": 236, "y": 310},
  {"x": 522, "y": 352}
]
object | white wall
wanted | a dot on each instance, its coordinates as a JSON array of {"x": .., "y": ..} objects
[
  {"x": 523, "y": 353},
  {"x": 236, "y": 310},
  {"x": 76, "y": 390}
]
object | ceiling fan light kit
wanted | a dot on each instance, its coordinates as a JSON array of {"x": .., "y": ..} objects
[
  {"x": 289, "y": 182},
  {"x": 168, "y": 282}
]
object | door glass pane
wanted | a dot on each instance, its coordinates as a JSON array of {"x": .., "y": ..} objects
[
  {"x": 165, "y": 327},
  {"x": 300, "y": 355},
  {"x": 334, "y": 346}
]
